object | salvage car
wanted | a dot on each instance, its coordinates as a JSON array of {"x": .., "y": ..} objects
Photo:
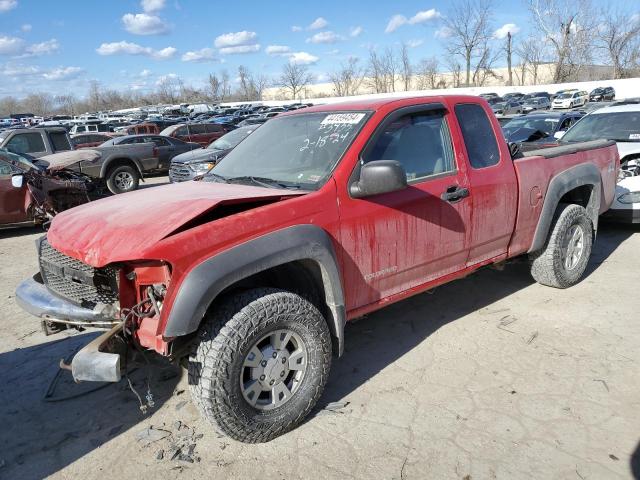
[
  {"x": 532, "y": 104},
  {"x": 88, "y": 140},
  {"x": 36, "y": 142},
  {"x": 189, "y": 165},
  {"x": 507, "y": 108},
  {"x": 539, "y": 127},
  {"x": 32, "y": 192},
  {"x": 569, "y": 99},
  {"x": 622, "y": 125},
  {"x": 602, "y": 94},
  {"x": 251, "y": 273},
  {"x": 167, "y": 147},
  {"x": 201, "y": 133}
]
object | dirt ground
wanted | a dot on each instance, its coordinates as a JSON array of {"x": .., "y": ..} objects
[{"x": 492, "y": 376}]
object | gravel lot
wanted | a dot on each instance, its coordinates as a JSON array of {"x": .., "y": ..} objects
[{"x": 492, "y": 376}]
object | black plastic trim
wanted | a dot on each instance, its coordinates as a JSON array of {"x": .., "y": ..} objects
[{"x": 300, "y": 242}]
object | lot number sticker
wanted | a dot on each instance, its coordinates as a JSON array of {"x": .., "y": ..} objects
[
  {"x": 343, "y": 118},
  {"x": 634, "y": 136}
]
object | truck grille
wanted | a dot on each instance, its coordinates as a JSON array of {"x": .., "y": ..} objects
[
  {"x": 180, "y": 173},
  {"x": 76, "y": 281}
]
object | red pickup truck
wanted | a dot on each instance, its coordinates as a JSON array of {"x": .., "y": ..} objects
[{"x": 320, "y": 216}]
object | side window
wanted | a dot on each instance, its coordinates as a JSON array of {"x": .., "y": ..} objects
[
  {"x": 478, "y": 135},
  {"x": 181, "y": 132},
  {"x": 5, "y": 169},
  {"x": 26, "y": 143},
  {"x": 213, "y": 128},
  {"x": 60, "y": 141},
  {"x": 419, "y": 141},
  {"x": 160, "y": 142},
  {"x": 197, "y": 129}
]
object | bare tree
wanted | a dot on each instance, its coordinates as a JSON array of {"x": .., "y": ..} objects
[
  {"x": 531, "y": 53},
  {"x": 509, "y": 50},
  {"x": 484, "y": 67},
  {"x": 93, "y": 96},
  {"x": 427, "y": 74},
  {"x": 455, "y": 70},
  {"x": 568, "y": 27},
  {"x": 294, "y": 78},
  {"x": 407, "y": 69},
  {"x": 39, "y": 103},
  {"x": 214, "y": 86},
  {"x": 382, "y": 71},
  {"x": 169, "y": 89},
  {"x": 348, "y": 79},
  {"x": 618, "y": 37},
  {"x": 66, "y": 104},
  {"x": 469, "y": 25},
  {"x": 225, "y": 86},
  {"x": 9, "y": 105}
]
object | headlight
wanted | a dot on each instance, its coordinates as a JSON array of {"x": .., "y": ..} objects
[
  {"x": 202, "y": 167},
  {"x": 629, "y": 197}
]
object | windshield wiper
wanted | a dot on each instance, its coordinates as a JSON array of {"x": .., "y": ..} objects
[{"x": 263, "y": 182}]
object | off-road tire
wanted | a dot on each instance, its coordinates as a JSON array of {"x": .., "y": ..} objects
[
  {"x": 224, "y": 340},
  {"x": 127, "y": 169},
  {"x": 547, "y": 266}
]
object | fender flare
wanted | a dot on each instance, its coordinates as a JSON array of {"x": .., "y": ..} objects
[
  {"x": 107, "y": 165},
  {"x": 574, "y": 177},
  {"x": 207, "y": 279}
]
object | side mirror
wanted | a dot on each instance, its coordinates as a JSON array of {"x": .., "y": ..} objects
[
  {"x": 559, "y": 134},
  {"x": 16, "y": 181},
  {"x": 379, "y": 176}
]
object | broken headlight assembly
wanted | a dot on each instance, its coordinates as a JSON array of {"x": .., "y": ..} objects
[
  {"x": 202, "y": 167},
  {"x": 629, "y": 197}
]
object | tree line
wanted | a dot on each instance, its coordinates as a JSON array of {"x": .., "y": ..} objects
[{"x": 568, "y": 35}]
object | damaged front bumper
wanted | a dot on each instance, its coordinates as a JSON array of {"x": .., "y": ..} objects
[
  {"x": 34, "y": 297},
  {"x": 100, "y": 360}
]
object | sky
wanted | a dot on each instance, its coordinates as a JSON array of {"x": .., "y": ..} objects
[{"x": 59, "y": 47}]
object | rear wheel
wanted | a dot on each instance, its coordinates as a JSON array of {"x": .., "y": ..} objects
[
  {"x": 563, "y": 260},
  {"x": 123, "y": 178},
  {"x": 261, "y": 364}
]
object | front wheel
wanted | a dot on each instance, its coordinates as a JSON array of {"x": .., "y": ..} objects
[
  {"x": 261, "y": 363},
  {"x": 122, "y": 179},
  {"x": 563, "y": 260}
]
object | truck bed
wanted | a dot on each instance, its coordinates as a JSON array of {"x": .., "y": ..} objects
[{"x": 535, "y": 170}]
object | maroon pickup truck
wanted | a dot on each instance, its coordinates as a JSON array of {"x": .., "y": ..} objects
[{"x": 320, "y": 216}]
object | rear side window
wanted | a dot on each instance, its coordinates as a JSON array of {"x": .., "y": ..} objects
[
  {"x": 478, "y": 135},
  {"x": 419, "y": 141},
  {"x": 60, "y": 141},
  {"x": 26, "y": 143},
  {"x": 181, "y": 132},
  {"x": 197, "y": 129},
  {"x": 213, "y": 128}
]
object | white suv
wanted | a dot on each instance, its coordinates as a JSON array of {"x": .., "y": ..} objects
[{"x": 570, "y": 99}]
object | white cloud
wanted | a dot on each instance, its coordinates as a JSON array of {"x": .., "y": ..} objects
[
  {"x": 414, "y": 43},
  {"x": 318, "y": 24},
  {"x": 296, "y": 28},
  {"x": 26, "y": 27},
  {"x": 62, "y": 73},
  {"x": 425, "y": 16},
  {"x": 325, "y": 37},
  {"x": 19, "y": 70},
  {"x": 506, "y": 28},
  {"x": 6, "y": 5},
  {"x": 235, "y": 39},
  {"x": 11, "y": 45},
  {"x": 240, "y": 49},
  {"x": 145, "y": 73},
  {"x": 150, "y": 6},
  {"x": 144, "y": 24},
  {"x": 43, "y": 48},
  {"x": 202, "y": 55},
  {"x": 395, "y": 22},
  {"x": 277, "y": 50},
  {"x": 355, "y": 31},
  {"x": 303, "y": 58},
  {"x": 442, "y": 32},
  {"x": 421, "y": 17},
  {"x": 128, "y": 48}
]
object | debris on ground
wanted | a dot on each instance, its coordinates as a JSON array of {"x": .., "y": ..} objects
[
  {"x": 151, "y": 435},
  {"x": 506, "y": 321},
  {"x": 604, "y": 384},
  {"x": 181, "y": 442},
  {"x": 533, "y": 336}
]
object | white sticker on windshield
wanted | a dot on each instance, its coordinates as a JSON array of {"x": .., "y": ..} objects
[
  {"x": 634, "y": 136},
  {"x": 347, "y": 118}
]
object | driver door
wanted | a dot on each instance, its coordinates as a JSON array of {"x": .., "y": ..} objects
[{"x": 12, "y": 199}]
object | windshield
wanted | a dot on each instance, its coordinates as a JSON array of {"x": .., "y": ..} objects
[
  {"x": 546, "y": 125},
  {"x": 299, "y": 151},
  {"x": 231, "y": 139},
  {"x": 618, "y": 126},
  {"x": 565, "y": 95},
  {"x": 17, "y": 160}
]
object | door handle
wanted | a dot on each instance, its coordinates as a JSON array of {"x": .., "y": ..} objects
[{"x": 454, "y": 193}]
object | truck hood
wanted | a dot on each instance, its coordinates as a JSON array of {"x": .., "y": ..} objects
[
  {"x": 201, "y": 155},
  {"x": 58, "y": 161},
  {"x": 122, "y": 227}
]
